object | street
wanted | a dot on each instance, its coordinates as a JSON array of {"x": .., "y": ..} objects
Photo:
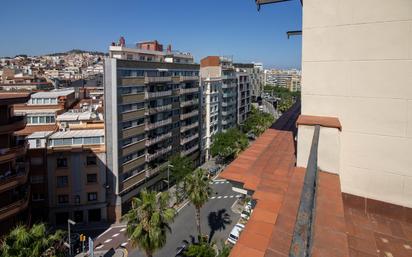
[{"x": 217, "y": 220}]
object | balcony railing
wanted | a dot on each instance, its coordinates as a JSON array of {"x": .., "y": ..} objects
[
  {"x": 303, "y": 232},
  {"x": 188, "y": 139},
  {"x": 190, "y": 126},
  {"x": 15, "y": 207},
  {"x": 158, "y": 124},
  {"x": 189, "y": 103},
  {"x": 189, "y": 151},
  {"x": 228, "y": 121},
  {"x": 229, "y": 85},
  {"x": 230, "y": 94},
  {"x": 189, "y": 90},
  {"x": 151, "y": 157},
  {"x": 157, "y": 139},
  {"x": 15, "y": 177},
  {"x": 189, "y": 114},
  {"x": 228, "y": 103},
  {"x": 157, "y": 79},
  {"x": 7, "y": 154},
  {"x": 15, "y": 123},
  {"x": 188, "y": 78},
  {"x": 153, "y": 171},
  {"x": 149, "y": 95},
  {"x": 153, "y": 110},
  {"x": 228, "y": 112}
]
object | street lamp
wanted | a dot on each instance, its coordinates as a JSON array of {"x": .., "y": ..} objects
[
  {"x": 70, "y": 222},
  {"x": 168, "y": 175}
]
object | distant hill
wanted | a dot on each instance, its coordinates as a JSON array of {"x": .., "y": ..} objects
[{"x": 77, "y": 51}]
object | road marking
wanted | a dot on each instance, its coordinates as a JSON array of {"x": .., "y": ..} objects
[
  {"x": 219, "y": 180},
  {"x": 99, "y": 247},
  {"x": 108, "y": 240},
  {"x": 124, "y": 244},
  {"x": 231, "y": 196},
  {"x": 107, "y": 230},
  {"x": 219, "y": 197},
  {"x": 225, "y": 196},
  {"x": 183, "y": 206},
  {"x": 123, "y": 229},
  {"x": 238, "y": 195},
  {"x": 119, "y": 226},
  {"x": 213, "y": 197},
  {"x": 115, "y": 235}
]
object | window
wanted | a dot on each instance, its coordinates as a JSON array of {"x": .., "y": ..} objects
[
  {"x": 37, "y": 197},
  {"x": 62, "y": 199},
  {"x": 92, "y": 196},
  {"x": 91, "y": 178},
  {"x": 91, "y": 160},
  {"x": 62, "y": 181},
  {"x": 36, "y": 179},
  {"x": 38, "y": 143},
  {"x": 61, "y": 162}
]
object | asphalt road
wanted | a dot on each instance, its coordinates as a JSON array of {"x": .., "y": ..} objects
[{"x": 217, "y": 220}]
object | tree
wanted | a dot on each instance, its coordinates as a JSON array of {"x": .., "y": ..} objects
[
  {"x": 228, "y": 144},
  {"x": 180, "y": 168},
  {"x": 148, "y": 221},
  {"x": 285, "y": 103},
  {"x": 202, "y": 249},
  {"x": 225, "y": 252},
  {"x": 257, "y": 122},
  {"x": 33, "y": 242},
  {"x": 198, "y": 191}
]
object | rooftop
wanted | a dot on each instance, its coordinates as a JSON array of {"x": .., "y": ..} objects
[
  {"x": 78, "y": 133},
  {"x": 39, "y": 134},
  {"x": 76, "y": 116},
  {"x": 53, "y": 93}
]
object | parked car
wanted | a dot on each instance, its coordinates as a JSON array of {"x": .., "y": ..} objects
[
  {"x": 180, "y": 250},
  {"x": 235, "y": 233},
  {"x": 245, "y": 215}
]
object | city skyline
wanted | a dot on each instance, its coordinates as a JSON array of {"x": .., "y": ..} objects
[{"x": 256, "y": 36}]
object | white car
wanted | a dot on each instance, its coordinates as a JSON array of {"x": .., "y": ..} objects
[
  {"x": 245, "y": 214},
  {"x": 234, "y": 234}
]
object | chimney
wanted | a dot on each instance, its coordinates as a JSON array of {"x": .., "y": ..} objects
[{"x": 169, "y": 48}]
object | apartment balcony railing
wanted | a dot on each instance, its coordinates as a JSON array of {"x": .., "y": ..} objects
[
  {"x": 188, "y": 78},
  {"x": 15, "y": 123},
  {"x": 230, "y": 103},
  {"x": 157, "y": 79},
  {"x": 189, "y": 114},
  {"x": 186, "y": 140},
  {"x": 189, "y": 103},
  {"x": 158, "y": 124},
  {"x": 229, "y": 85},
  {"x": 15, "y": 177},
  {"x": 153, "y": 110},
  {"x": 149, "y": 95},
  {"x": 151, "y": 157},
  {"x": 228, "y": 121},
  {"x": 303, "y": 231},
  {"x": 153, "y": 171},
  {"x": 190, "y": 126},
  {"x": 229, "y": 112},
  {"x": 7, "y": 154},
  {"x": 229, "y": 76},
  {"x": 157, "y": 139},
  {"x": 16, "y": 207},
  {"x": 189, "y": 90},
  {"x": 231, "y": 94},
  {"x": 189, "y": 151}
]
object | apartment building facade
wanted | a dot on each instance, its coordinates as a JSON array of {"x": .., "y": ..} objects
[
  {"x": 219, "y": 87},
  {"x": 14, "y": 168},
  {"x": 244, "y": 98},
  {"x": 151, "y": 113},
  {"x": 256, "y": 77}
]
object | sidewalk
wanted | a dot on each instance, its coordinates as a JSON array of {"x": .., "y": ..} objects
[{"x": 120, "y": 252}]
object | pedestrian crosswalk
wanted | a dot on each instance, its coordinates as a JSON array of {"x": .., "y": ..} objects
[
  {"x": 218, "y": 182},
  {"x": 225, "y": 196}
]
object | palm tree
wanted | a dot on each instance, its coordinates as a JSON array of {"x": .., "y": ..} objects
[
  {"x": 198, "y": 191},
  {"x": 148, "y": 221},
  {"x": 33, "y": 242},
  {"x": 202, "y": 249}
]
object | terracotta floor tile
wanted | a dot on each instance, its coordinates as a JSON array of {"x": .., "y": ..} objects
[
  {"x": 356, "y": 253},
  {"x": 286, "y": 222},
  {"x": 396, "y": 246},
  {"x": 280, "y": 241},
  {"x": 362, "y": 245},
  {"x": 270, "y": 253}
]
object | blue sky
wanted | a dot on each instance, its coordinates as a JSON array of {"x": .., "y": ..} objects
[{"x": 208, "y": 27}]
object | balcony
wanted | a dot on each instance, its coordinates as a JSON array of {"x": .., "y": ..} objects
[
  {"x": 189, "y": 90},
  {"x": 16, "y": 207},
  {"x": 225, "y": 113},
  {"x": 15, "y": 123},
  {"x": 228, "y": 121},
  {"x": 189, "y": 102},
  {"x": 148, "y": 80},
  {"x": 150, "y": 95},
  {"x": 158, "y": 153},
  {"x": 230, "y": 94},
  {"x": 228, "y": 103},
  {"x": 188, "y": 78},
  {"x": 189, "y": 114},
  {"x": 159, "y": 124},
  {"x": 229, "y": 85},
  {"x": 188, "y": 139},
  {"x": 232, "y": 76},
  {"x": 157, "y": 139},
  {"x": 15, "y": 177},
  {"x": 8, "y": 154},
  {"x": 134, "y": 180},
  {"x": 184, "y": 128},
  {"x": 157, "y": 169},
  {"x": 189, "y": 151},
  {"x": 154, "y": 110}
]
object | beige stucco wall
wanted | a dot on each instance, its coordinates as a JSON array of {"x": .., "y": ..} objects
[{"x": 357, "y": 66}]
